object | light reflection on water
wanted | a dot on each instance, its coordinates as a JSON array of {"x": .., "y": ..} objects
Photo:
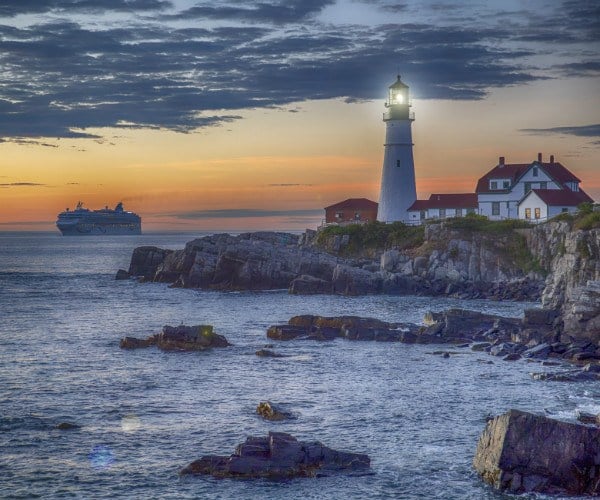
[{"x": 145, "y": 414}]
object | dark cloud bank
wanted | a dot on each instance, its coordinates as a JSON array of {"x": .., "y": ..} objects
[{"x": 60, "y": 77}]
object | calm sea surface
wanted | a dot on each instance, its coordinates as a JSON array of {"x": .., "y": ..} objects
[{"x": 145, "y": 414}]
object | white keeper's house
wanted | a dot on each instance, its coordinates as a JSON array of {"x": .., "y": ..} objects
[{"x": 535, "y": 191}]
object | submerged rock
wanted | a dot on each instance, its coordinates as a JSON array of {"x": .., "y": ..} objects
[
  {"x": 179, "y": 338},
  {"x": 267, "y": 353},
  {"x": 270, "y": 411},
  {"x": 67, "y": 426},
  {"x": 279, "y": 456},
  {"x": 521, "y": 452}
]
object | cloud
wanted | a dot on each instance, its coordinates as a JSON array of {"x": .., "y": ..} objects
[
  {"x": 20, "y": 184},
  {"x": 10, "y": 8},
  {"x": 577, "y": 130},
  {"x": 237, "y": 213},
  {"x": 282, "y": 11},
  {"x": 288, "y": 185},
  {"x": 167, "y": 71}
]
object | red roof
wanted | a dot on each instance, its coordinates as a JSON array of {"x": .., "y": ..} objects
[
  {"x": 515, "y": 170},
  {"x": 354, "y": 204},
  {"x": 446, "y": 200},
  {"x": 561, "y": 197}
]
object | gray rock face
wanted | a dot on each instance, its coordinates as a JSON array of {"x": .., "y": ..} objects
[
  {"x": 264, "y": 261},
  {"x": 279, "y": 456},
  {"x": 145, "y": 261},
  {"x": 573, "y": 285},
  {"x": 520, "y": 452},
  {"x": 179, "y": 338}
]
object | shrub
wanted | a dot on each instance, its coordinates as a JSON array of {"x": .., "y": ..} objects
[{"x": 587, "y": 221}]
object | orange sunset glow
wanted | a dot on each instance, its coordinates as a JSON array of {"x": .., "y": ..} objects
[{"x": 276, "y": 166}]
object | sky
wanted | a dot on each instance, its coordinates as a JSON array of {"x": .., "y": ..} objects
[{"x": 256, "y": 114}]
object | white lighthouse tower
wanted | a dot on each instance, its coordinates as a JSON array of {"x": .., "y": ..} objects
[{"x": 398, "y": 190}]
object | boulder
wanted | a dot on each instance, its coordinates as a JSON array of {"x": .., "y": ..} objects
[
  {"x": 520, "y": 452},
  {"x": 179, "y": 338},
  {"x": 470, "y": 325},
  {"x": 272, "y": 412},
  {"x": 588, "y": 418},
  {"x": 567, "y": 376},
  {"x": 122, "y": 275},
  {"x": 279, "y": 456}
]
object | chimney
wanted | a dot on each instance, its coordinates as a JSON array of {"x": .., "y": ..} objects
[
  {"x": 539, "y": 157},
  {"x": 551, "y": 159},
  {"x": 501, "y": 161}
]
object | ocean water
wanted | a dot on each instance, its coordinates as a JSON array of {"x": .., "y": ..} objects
[{"x": 145, "y": 414}]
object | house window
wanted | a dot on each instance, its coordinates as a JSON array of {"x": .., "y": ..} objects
[
  {"x": 528, "y": 213},
  {"x": 459, "y": 212},
  {"x": 470, "y": 211},
  {"x": 564, "y": 210},
  {"x": 398, "y": 163},
  {"x": 527, "y": 187},
  {"x": 493, "y": 185},
  {"x": 535, "y": 171},
  {"x": 495, "y": 208},
  {"x": 339, "y": 215},
  {"x": 423, "y": 215},
  {"x": 442, "y": 213},
  {"x": 505, "y": 184},
  {"x": 543, "y": 185},
  {"x": 537, "y": 213},
  {"x": 356, "y": 215}
]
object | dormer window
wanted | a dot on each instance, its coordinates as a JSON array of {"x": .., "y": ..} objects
[
  {"x": 505, "y": 184},
  {"x": 494, "y": 185}
]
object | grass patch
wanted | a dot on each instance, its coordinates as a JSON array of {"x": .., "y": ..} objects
[
  {"x": 588, "y": 221},
  {"x": 480, "y": 223},
  {"x": 374, "y": 236}
]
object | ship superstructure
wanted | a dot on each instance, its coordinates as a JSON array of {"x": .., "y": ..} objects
[{"x": 82, "y": 221}]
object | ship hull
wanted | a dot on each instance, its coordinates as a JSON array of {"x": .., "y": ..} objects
[{"x": 98, "y": 229}]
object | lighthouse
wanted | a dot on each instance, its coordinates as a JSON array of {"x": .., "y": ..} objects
[{"x": 398, "y": 190}]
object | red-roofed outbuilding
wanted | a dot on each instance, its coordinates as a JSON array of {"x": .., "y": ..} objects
[{"x": 351, "y": 210}]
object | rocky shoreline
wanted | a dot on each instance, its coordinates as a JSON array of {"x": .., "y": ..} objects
[{"x": 515, "y": 449}]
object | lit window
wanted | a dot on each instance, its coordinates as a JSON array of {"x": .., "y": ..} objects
[
  {"x": 528, "y": 213},
  {"x": 537, "y": 213},
  {"x": 496, "y": 208}
]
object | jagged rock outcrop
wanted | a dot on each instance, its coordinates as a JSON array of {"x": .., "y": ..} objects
[
  {"x": 265, "y": 260},
  {"x": 308, "y": 327},
  {"x": 521, "y": 452},
  {"x": 573, "y": 285},
  {"x": 179, "y": 338},
  {"x": 279, "y": 456},
  {"x": 145, "y": 261}
]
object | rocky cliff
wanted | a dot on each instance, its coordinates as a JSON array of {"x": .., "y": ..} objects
[
  {"x": 573, "y": 284},
  {"x": 467, "y": 259}
]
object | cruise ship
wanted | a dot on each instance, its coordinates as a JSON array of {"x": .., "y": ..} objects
[{"x": 83, "y": 222}]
